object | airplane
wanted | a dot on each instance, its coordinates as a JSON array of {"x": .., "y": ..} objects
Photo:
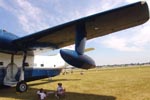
[{"x": 19, "y": 62}]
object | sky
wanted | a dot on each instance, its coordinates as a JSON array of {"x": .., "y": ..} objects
[{"x": 23, "y": 17}]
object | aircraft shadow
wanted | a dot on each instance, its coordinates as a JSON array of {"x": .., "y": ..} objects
[{"x": 31, "y": 95}]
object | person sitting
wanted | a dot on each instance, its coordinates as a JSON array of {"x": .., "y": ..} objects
[
  {"x": 60, "y": 91},
  {"x": 38, "y": 92}
]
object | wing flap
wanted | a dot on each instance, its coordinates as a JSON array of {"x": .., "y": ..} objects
[{"x": 96, "y": 25}]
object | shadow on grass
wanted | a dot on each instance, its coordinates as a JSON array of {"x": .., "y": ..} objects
[{"x": 10, "y": 93}]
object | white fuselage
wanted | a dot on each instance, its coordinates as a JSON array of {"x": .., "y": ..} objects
[
  {"x": 36, "y": 67},
  {"x": 49, "y": 61}
]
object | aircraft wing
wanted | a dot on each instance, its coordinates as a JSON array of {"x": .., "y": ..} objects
[{"x": 96, "y": 25}]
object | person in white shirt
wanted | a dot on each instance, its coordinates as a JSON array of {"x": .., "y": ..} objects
[
  {"x": 41, "y": 94},
  {"x": 60, "y": 91}
]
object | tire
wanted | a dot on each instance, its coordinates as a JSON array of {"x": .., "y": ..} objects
[{"x": 21, "y": 87}]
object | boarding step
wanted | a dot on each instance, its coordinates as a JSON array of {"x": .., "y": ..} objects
[{"x": 11, "y": 83}]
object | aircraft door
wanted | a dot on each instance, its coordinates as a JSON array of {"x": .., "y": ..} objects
[{"x": 11, "y": 72}]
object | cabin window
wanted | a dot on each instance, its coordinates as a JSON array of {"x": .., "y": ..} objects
[
  {"x": 1, "y": 63},
  {"x": 42, "y": 65}
]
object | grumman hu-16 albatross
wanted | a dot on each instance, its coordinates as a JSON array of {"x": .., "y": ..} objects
[{"x": 19, "y": 62}]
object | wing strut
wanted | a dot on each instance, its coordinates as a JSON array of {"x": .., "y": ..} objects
[
  {"x": 12, "y": 62},
  {"x": 80, "y": 39},
  {"x": 23, "y": 65}
]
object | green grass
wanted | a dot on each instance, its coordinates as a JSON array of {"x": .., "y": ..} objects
[{"x": 132, "y": 83}]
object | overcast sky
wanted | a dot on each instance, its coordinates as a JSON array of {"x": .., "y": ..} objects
[{"x": 23, "y": 17}]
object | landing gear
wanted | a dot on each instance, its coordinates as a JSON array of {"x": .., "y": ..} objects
[{"x": 21, "y": 86}]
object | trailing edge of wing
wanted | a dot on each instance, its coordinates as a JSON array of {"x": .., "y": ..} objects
[{"x": 96, "y": 25}]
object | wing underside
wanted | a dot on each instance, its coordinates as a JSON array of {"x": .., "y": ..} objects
[{"x": 96, "y": 25}]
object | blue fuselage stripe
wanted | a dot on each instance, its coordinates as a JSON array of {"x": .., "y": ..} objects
[{"x": 32, "y": 74}]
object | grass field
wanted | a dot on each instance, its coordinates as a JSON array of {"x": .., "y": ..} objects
[{"x": 132, "y": 83}]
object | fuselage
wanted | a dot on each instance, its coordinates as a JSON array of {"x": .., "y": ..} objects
[{"x": 36, "y": 67}]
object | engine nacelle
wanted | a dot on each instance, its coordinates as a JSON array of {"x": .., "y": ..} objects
[{"x": 76, "y": 60}]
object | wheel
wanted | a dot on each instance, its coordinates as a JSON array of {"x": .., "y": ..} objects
[{"x": 21, "y": 86}]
